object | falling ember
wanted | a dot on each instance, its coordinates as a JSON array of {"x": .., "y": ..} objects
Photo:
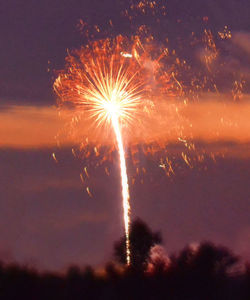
[{"x": 54, "y": 157}]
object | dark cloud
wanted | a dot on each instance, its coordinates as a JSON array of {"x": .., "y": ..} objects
[
  {"x": 46, "y": 215},
  {"x": 35, "y": 35},
  {"x": 199, "y": 205}
]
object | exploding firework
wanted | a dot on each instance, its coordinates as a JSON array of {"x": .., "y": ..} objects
[
  {"x": 124, "y": 86},
  {"x": 110, "y": 87},
  {"x": 111, "y": 83}
]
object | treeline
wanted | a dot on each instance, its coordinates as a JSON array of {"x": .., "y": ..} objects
[
  {"x": 202, "y": 272},
  {"x": 208, "y": 272}
]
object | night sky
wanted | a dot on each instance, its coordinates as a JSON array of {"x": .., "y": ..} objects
[{"x": 47, "y": 219}]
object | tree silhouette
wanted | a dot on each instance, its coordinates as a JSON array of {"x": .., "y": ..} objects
[
  {"x": 141, "y": 241},
  {"x": 206, "y": 259},
  {"x": 198, "y": 272},
  {"x": 203, "y": 270}
]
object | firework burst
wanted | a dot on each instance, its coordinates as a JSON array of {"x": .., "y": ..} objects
[
  {"x": 124, "y": 86},
  {"x": 109, "y": 86}
]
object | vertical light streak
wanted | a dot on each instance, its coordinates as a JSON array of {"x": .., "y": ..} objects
[{"x": 124, "y": 183}]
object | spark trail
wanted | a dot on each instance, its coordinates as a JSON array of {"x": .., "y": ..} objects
[{"x": 125, "y": 186}]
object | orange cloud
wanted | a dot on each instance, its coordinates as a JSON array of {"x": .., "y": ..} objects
[
  {"x": 28, "y": 126},
  {"x": 212, "y": 119}
]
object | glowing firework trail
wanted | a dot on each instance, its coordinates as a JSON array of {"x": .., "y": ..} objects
[{"x": 125, "y": 187}]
